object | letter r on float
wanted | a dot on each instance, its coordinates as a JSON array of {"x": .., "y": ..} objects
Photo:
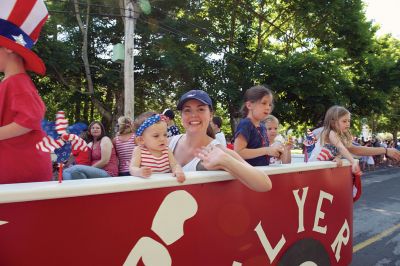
[
  {"x": 300, "y": 205},
  {"x": 341, "y": 239},
  {"x": 271, "y": 252},
  {"x": 319, "y": 214}
]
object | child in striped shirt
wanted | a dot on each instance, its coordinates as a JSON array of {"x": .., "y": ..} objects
[{"x": 152, "y": 154}]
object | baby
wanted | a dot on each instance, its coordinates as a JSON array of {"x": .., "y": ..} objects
[{"x": 152, "y": 154}]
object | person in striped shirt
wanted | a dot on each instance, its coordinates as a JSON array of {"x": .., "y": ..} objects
[
  {"x": 124, "y": 144},
  {"x": 152, "y": 154}
]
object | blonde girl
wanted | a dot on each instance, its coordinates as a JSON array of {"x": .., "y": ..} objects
[
  {"x": 152, "y": 154},
  {"x": 272, "y": 125},
  {"x": 335, "y": 138},
  {"x": 251, "y": 140},
  {"x": 124, "y": 144}
]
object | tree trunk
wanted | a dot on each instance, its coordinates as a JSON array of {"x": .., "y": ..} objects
[
  {"x": 78, "y": 109},
  {"x": 85, "y": 58},
  {"x": 86, "y": 110}
]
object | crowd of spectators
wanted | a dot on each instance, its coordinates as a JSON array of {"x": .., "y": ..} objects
[{"x": 370, "y": 163}]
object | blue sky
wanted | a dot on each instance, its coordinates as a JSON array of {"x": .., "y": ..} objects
[{"x": 386, "y": 13}]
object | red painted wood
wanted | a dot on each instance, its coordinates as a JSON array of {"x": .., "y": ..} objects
[{"x": 102, "y": 229}]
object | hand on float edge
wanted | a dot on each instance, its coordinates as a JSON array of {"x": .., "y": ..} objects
[
  {"x": 180, "y": 175},
  {"x": 145, "y": 172},
  {"x": 338, "y": 161}
]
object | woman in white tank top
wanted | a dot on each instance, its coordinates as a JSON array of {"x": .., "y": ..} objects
[{"x": 197, "y": 150}]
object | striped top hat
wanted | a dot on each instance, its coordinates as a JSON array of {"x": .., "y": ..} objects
[{"x": 20, "y": 25}]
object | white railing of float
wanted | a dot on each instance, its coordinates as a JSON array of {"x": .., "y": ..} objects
[{"x": 84, "y": 187}]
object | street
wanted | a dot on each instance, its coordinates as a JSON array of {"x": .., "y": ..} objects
[{"x": 376, "y": 232}]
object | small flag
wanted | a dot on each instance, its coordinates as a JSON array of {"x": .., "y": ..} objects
[{"x": 325, "y": 155}]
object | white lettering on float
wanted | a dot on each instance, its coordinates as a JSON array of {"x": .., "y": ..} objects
[
  {"x": 300, "y": 205},
  {"x": 271, "y": 252},
  {"x": 319, "y": 214},
  {"x": 3, "y": 222},
  {"x": 341, "y": 238}
]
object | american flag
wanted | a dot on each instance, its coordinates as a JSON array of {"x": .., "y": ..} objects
[{"x": 325, "y": 155}]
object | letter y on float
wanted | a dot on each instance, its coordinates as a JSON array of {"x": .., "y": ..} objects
[{"x": 300, "y": 205}]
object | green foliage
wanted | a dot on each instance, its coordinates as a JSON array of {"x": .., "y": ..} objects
[{"x": 313, "y": 54}]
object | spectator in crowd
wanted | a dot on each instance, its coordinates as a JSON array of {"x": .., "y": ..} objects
[
  {"x": 79, "y": 156},
  {"x": 104, "y": 161},
  {"x": 173, "y": 130},
  {"x": 124, "y": 144},
  {"x": 367, "y": 162},
  {"x": 229, "y": 142},
  {"x": 198, "y": 150},
  {"x": 216, "y": 124}
]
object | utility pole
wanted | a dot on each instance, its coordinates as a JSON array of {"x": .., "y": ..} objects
[{"x": 129, "y": 79}]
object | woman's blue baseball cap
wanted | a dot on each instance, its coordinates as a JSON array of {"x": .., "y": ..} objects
[{"x": 199, "y": 95}]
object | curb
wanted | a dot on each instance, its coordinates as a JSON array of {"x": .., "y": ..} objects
[{"x": 382, "y": 170}]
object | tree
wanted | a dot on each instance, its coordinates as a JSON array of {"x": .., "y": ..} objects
[{"x": 314, "y": 54}]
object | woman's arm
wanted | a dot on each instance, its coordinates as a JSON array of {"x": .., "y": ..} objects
[
  {"x": 241, "y": 144},
  {"x": 371, "y": 151},
  {"x": 134, "y": 167},
  {"x": 12, "y": 130},
  {"x": 106, "y": 149},
  {"x": 215, "y": 157}
]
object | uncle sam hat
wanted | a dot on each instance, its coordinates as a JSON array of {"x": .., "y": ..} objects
[{"x": 20, "y": 25}]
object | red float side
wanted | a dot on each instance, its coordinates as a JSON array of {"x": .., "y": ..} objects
[{"x": 224, "y": 223}]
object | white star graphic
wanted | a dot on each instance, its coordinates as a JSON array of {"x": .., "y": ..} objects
[
  {"x": 19, "y": 39},
  {"x": 3, "y": 222}
]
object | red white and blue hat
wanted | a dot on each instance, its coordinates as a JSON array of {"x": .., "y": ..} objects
[{"x": 20, "y": 24}]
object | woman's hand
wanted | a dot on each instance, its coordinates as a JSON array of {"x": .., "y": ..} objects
[
  {"x": 393, "y": 153},
  {"x": 212, "y": 157},
  {"x": 216, "y": 158}
]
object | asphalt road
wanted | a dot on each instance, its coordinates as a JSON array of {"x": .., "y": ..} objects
[{"x": 376, "y": 225}]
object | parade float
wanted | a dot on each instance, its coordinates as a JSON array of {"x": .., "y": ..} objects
[{"x": 211, "y": 219}]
